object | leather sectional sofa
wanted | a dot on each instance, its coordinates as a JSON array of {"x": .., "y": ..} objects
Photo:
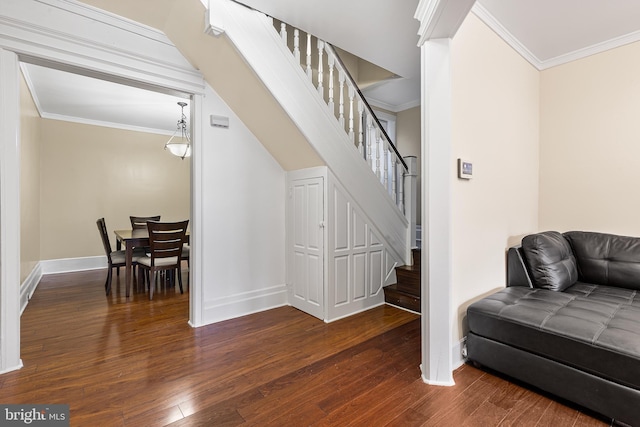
[{"x": 568, "y": 321}]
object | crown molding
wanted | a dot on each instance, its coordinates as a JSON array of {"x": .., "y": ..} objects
[
  {"x": 68, "y": 33},
  {"x": 486, "y": 17},
  {"x": 440, "y": 18},
  {"x": 392, "y": 107},
  {"x": 591, "y": 50}
]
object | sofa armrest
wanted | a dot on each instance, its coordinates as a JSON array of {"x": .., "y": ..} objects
[{"x": 517, "y": 274}]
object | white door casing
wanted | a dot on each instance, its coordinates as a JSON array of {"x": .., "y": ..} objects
[{"x": 70, "y": 36}]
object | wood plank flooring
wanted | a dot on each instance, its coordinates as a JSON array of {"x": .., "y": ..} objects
[{"x": 139, "y": 363}]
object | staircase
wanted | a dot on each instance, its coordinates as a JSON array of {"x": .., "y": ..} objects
[{"x": 406, "y": 292}]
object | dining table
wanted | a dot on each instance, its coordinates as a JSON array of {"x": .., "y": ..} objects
[{"x": 132, "y": 238}]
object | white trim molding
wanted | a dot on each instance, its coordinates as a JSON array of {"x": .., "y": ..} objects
[
  {"x": 436, "y": 278},
  {"x": 245, "y": 303},
  {"x": 67, "y": 265},
  {"x": 440, "y": 19},
  {"x": 9, "y": 212},
  {"x": 486, "y": 17},
  {"x": 29, "y": 286},
  {"x": 71, "y": 35}
]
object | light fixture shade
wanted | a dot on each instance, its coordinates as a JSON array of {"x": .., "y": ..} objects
[
  {"x": 180, "y": 144},
  {"x": 179, "y": 147}
]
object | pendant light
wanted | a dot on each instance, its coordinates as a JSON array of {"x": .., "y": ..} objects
[{"x": 180, "y": 143}]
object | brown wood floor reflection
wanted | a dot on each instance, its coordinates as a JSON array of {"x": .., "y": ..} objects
[{"x": 139, "y": 363}]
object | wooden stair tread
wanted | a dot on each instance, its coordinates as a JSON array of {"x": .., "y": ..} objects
[
  {"x": 394, "y": 296},
  {"x": 406, "y": 292}
]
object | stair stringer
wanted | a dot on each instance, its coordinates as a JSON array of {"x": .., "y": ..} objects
[{"x": 253, "y": 35}]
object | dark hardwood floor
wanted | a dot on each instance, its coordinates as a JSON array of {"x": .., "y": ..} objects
[{"x": 138, "y": 363}]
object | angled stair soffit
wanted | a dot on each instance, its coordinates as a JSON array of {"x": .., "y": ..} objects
[
  {"x": 231, "y": 77},
  {"x": 226, "y": 72}
]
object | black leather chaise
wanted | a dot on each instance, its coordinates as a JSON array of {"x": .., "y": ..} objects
[{"x": 568, "y": 322}]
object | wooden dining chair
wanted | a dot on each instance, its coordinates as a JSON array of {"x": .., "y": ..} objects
[
  {"x": 166, "y": 242},
  {"x": 115, "y": 259},
  {"x": 141, "y": 221}
]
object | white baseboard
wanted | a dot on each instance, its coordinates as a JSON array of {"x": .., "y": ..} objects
[
  {"x": 13, "y": 368},
  {"x": 245, "y": 303},
  {"x": 67, "y": 265},
  {"x": 360, "y": 310},
  {"x": 53, "y": 266},
  {"x": 28, "y": 287},
  {"x": 458, "y": 353}
]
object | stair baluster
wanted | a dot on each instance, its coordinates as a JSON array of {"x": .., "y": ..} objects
[
  {"x": 296, "y": 44},
  {"x": 351, "y": 95},
  {"x": 309, "y": 71},
  {"x": 331, "y": 61},
  {"x": 369, "y": 145},
  {"x": 377, "y": 137},
  {"x": 385, "y": 162},
  {"x": 283, "y": 32},
  {"x": 341, "y": 78},
  {"x": 360, "y": 134},
  {"x": 388, "y": 166},
  {"x": 320, "y": 70}
]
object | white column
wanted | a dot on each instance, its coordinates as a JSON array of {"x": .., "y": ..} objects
[
  {"x": 437, "y": 321},
  {"x": 9, "y": 212},
  {"x": 196, "y": 287}
]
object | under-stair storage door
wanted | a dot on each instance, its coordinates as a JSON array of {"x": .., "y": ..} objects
[{"x": 308, "y": 245}]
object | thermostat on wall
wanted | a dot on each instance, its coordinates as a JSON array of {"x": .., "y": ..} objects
[{"x": 465, "y": 169}]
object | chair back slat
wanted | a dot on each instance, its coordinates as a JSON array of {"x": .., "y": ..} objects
[
  {"x": 140, "y": 222},
  {"x": 166, "y": 239}
]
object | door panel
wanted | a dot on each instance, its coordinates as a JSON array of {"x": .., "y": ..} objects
[{"x": 308, "y": 245}]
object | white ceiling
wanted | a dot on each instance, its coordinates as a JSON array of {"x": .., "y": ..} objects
[
  {"x": 72, "y": 97},
  {"x": 383, "y": 32},
  {"x": 553, "y": 32}
]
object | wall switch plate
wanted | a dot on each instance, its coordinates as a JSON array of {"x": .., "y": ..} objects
[
  {"x": 219, "y": 121},
  {"x": 465, "y": 169}
]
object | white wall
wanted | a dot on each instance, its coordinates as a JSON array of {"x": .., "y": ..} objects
[
  {"x": 495, "y": 103},
  {"x": 590, "y": 143},
  {"x": 243, "y": 220}
]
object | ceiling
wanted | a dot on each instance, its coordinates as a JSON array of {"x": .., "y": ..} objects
[
  {"x": 71, "y": 97},
  {"x": 384, "y": 32}
]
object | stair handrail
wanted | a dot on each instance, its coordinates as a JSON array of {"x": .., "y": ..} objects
[
  {"x": 330, "y": 48},
  {"x": 372, "y": 141}
]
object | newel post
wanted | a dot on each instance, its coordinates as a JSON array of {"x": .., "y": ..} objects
[{"x": 411, "y": 199}]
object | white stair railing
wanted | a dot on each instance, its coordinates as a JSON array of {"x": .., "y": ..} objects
[{"x": 352, "y": 110}]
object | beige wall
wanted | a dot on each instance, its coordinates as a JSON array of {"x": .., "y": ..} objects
[
  {"x": 29, "y": 183},
  {"x": 88, "y": 172},
  {"x": 408, "y": 143},
  {"x": 495, "y": 120},
  {"x": 590, "y": 143}
]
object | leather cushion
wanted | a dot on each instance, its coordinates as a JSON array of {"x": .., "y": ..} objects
[
  {"x": 550, "y": 259},
  {"x": 589, "y": 327},
  {"x": 606, "y": 259}
]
